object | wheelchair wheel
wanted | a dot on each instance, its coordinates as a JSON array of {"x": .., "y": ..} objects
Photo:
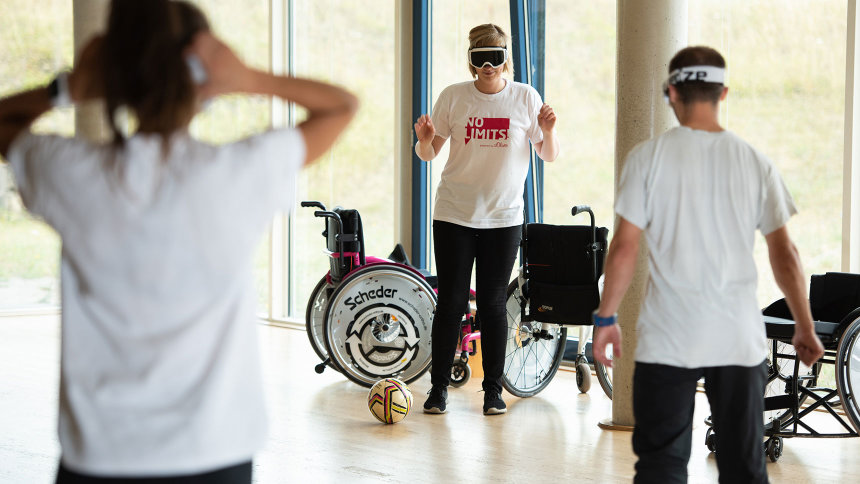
[
  {"x": 378, "y": 324},
  {"x": 604, "y": 373},
  {"x": 848, "y": 372},
  {"x": 583, "y": 374},
  {"x": 314, "y": 319},
  {"x": 779, "y": 373},
  {"x": 773, "y": 448},
  {"x": 460, "y": 372},
  {"x": 711, "y": 440},
  {"x": 533, "y": 350}
]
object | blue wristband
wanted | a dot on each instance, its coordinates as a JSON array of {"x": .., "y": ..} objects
[{"x": 600, "y": 321}]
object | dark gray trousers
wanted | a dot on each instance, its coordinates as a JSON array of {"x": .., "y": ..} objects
[{"x": 663, "y": 401}]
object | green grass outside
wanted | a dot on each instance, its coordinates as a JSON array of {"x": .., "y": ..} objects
[
  {"x": 793, "y": 114},
  {"x": 29, "y": 249}
]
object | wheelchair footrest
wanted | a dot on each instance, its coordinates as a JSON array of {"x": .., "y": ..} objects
[{"x": 780, "y": 401}]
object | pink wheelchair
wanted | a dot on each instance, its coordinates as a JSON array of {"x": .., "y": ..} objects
[{"x": 369, "y": 317}]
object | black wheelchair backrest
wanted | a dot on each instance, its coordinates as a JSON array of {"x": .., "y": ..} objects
[
  {"x": 562, "y": 264},
  {"x": 564, "y": 254},
  {"x": 834, "y": 295},
  {"x": 351, "y": 240}
]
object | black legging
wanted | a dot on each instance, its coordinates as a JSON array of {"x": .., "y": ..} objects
[
  {"x": 238, "y": 474},
  {"x": 493, "y": 251}
]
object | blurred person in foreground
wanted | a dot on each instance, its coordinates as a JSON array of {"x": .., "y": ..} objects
[{"x": 160, "y": 373}]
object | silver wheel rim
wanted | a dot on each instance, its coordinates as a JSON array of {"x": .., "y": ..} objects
[
  {"x": 529, "y": 361},
  {"x": 379, "y": 323}
]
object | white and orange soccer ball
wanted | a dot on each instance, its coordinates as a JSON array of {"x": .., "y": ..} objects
[{"x": 389, "y": 400}]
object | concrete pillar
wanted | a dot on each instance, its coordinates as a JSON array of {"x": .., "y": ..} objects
[
  {"x": 403, "y": 139},
  {"x": 89, "y": 18},
  {"x": 648, "y": 34},
  {"x": 851, "y": 167}
]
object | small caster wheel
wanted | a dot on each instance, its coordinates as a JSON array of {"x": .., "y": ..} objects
[
  {"x": 321, "y": 367},
  {"x": 460, "y": 373},
  {"x": 583, "y": 377},
  {"x": 774, "y": 448},
  {"x": 711, "y": 440}
]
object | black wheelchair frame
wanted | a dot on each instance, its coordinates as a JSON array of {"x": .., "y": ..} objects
[
  {"x": 794, "y": 391},
  {"x": 557, "y": 287}
]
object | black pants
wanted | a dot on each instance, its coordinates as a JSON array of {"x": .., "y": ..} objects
[
  {"x": 663, "y": 400},
  {"x": 493, "y": 251},
  {"x": 238, "y": 474}
]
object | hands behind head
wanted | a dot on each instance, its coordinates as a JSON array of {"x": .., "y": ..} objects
[
  {"x": 225, "y": 72},
  {"x": 86, "y": 81}
]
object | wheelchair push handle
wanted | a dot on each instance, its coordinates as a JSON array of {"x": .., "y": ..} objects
[
  {"x": 583, "y": 208},
  {"x": 339, "y": 235},
  {"x": 594, "y": 246},
  {"x": 327, "y": 213},
  {"x": 313, "y": 203}
]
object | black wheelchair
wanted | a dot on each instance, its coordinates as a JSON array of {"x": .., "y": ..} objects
[
  {"x": 794, "y": 391},
  {"x": 558, "y": 286}
]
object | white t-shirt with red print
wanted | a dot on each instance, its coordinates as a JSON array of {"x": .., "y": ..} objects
[{"x": 482, "y": 183}]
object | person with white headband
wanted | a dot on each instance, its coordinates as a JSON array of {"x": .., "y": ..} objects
[
  {"x": 479, "y": 204},
  {"x": 699, "y": 193}
]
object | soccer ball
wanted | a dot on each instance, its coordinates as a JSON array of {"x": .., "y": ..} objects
[{"x": 389, "y": 400}]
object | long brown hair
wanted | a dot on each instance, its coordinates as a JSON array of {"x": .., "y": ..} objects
[{"x": 144, "y": 64}]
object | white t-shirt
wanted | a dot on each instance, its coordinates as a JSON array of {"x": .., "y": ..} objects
[
  {"x": 488, "y": 161},
  {"x": 160, "y": 370},
  {"x": 699, "y": 197}
]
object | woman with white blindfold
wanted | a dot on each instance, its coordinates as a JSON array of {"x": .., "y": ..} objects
[{"x": 478, "y": 213}]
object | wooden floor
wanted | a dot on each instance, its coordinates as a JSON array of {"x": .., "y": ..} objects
[{"x": 321, "y": 430}]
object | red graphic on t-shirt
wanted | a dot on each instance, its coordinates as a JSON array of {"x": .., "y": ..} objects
[{"x": 487, "y": 128}]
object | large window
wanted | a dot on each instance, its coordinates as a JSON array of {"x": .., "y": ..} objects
[
  {"x": 244, "y": 25},
  {"x": 580, "y": 86},
  {"x": 452, "y": 20},
  {"x": 787, "y": 80},
  {"x": 786, "y": 68},
  {"x": 350, "y": 43},
  {"x": 35, "y": 43},
  {"x": 786, "y": 75}
]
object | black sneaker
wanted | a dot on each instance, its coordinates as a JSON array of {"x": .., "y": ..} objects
[
  {"x": 437, "y": 400},
  {"x": 493, "y": 403}
]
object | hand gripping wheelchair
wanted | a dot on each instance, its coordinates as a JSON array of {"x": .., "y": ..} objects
[
  {"x": 557, "y": 287},
  {"x": 370, "y": 318},
  {"x": 794, "y": 390}
]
